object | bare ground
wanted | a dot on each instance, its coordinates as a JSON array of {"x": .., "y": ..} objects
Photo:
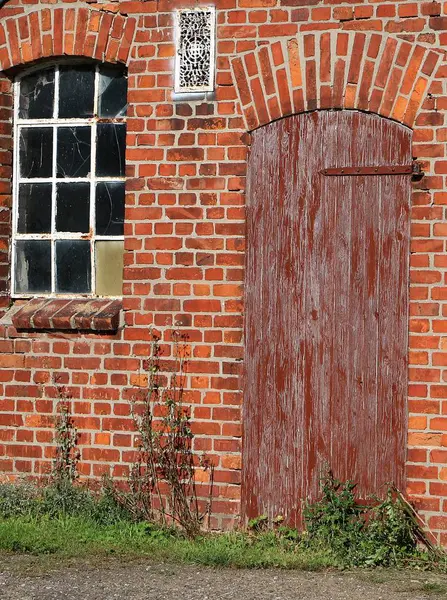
[{"x": 36, "y": 578}]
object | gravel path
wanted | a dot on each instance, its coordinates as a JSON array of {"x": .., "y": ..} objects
[{"x": 28, "y": 578}]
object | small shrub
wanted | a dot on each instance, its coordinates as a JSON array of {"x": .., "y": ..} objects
[
  {"x": 161, "y": 484},
  {"x": 336, "y": 521},
  {"x": 392, "y": 536},
  {"x": 66, "y": 438}
]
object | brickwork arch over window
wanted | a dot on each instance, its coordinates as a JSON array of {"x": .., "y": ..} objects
[
  {"x": 366, "y": 71},
  {"x": 65, "y": 32}
]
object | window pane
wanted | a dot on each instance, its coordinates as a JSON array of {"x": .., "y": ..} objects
[
  {"x": 109, "y": 268},
  {"x": 33, "y": 266},
  {"x": 34, "y": 208},
  {"x": 76, "y": 92},
  {"x": 36, "y": 151},
  {"x": 73, "y": 207},
  {"x": 110, "y": 208},
  {"x": 73, "y": 151},
  {"x": 73, "y": 267},
  {"x": 37, "y": 95},
  {"x": 110, "y": 150},
  {"x": 112, "y": 93}
]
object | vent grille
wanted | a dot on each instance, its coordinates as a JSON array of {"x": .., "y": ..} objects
[{"x": 195, "y": 56}]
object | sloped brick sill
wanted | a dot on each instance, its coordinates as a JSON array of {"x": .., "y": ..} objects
[{"x": 65, "y": 314}]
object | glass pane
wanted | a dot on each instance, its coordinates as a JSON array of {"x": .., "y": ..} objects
[
  {"x": 110, "y": 208},
  {"x": 33, "y": 266},
  {"x": 73, "y": 151},
  {"x": 36, "y": 151},
  {"x": 73, "y": 207},
  {"x": 34, "y": 208},
  {"x": 76, "y": 92},
  {"x": 73, "y": 267},
  {"x": 37, "y": 95},
  {"x": 112, "y": 93},
  {"x": 109, "y": 268},
  {"x": 110, "y": 150}
]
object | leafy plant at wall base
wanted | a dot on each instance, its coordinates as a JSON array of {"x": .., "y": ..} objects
[
  {"x": 259, "y": 524},
  {"x": 336, "y": 520},
  {"x": 382, "y": 534}
]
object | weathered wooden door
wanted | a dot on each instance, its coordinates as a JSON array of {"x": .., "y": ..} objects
[{"x": 326, "y": 309}]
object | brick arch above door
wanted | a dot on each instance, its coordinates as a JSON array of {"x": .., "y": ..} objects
[
  {"x": 373, "y": 72},
  {"x": 73, "y": 31}
]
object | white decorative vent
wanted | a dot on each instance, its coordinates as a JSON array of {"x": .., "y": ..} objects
[{"x": 195, "y": 43}]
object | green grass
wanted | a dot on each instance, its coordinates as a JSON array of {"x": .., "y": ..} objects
[
  {"x": 77, "y": 536},
  {"x": 71, "y": 521}
]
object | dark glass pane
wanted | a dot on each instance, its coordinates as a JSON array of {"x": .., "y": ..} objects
[
  {"x": 76, "y": 92},
  {"x": 34, "y": 208},
  {"x": 110, "y": 150},
  {"x": 73, "y": 151},
  {"x": 112, "y": 93},
  {"x": 110, "y": 208},
  {"x": 33, "y": 266},
  {"x": 36, "y": 151},
  {"x": 73, "y": 267},
  {"x": 73, "y": 207},
  {"x": 37, "y": 95}
]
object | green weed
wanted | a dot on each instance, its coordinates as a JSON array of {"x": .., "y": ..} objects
[{"x": 380, "y": 535}]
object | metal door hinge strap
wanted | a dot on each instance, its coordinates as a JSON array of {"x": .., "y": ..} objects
[{"x": 413, "y": 169}]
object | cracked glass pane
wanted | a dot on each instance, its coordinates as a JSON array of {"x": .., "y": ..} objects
[
  {"x": 110, "y": 150},
  {"x": 73, "y": 207},
  {"x": 33, "y": 266},
  {"x": 112, "y": 93},
  {"x": 73, "y": 266},
  {"x": 37, "y": 95},
  {"x": 36, "y": 144},
  {"x": 110, "y": 208},
  {"x": 76, "y": 93},
  {"x": 109, "y": 268},
  {"x": 34, "y": 208},
  {"x": 73, "y": 151}
]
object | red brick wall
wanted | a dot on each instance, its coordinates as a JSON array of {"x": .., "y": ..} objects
[{"x": 186, "y": 164}]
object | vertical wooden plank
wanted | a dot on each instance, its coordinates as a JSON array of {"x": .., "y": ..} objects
[{"x": 393, "y": 339}]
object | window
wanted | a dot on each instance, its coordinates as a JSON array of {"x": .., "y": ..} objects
[
  {"x": 69, "y": 161},
  {"x": 195, "y": 40}
]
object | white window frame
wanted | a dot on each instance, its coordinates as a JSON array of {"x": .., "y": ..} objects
[
  {"x": 54, "y": 235},
  {"x": 179, "y": 89}
]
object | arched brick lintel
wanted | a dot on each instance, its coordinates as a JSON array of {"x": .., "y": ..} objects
[
  {"x": 366, "y": 71},
  {"x": 73, "y": 31}
]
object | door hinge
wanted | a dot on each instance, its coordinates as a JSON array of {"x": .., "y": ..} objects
[{"x": 413, "y": 169}]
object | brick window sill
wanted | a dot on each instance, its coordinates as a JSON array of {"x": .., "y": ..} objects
[{"x": 65, "y": 314}]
